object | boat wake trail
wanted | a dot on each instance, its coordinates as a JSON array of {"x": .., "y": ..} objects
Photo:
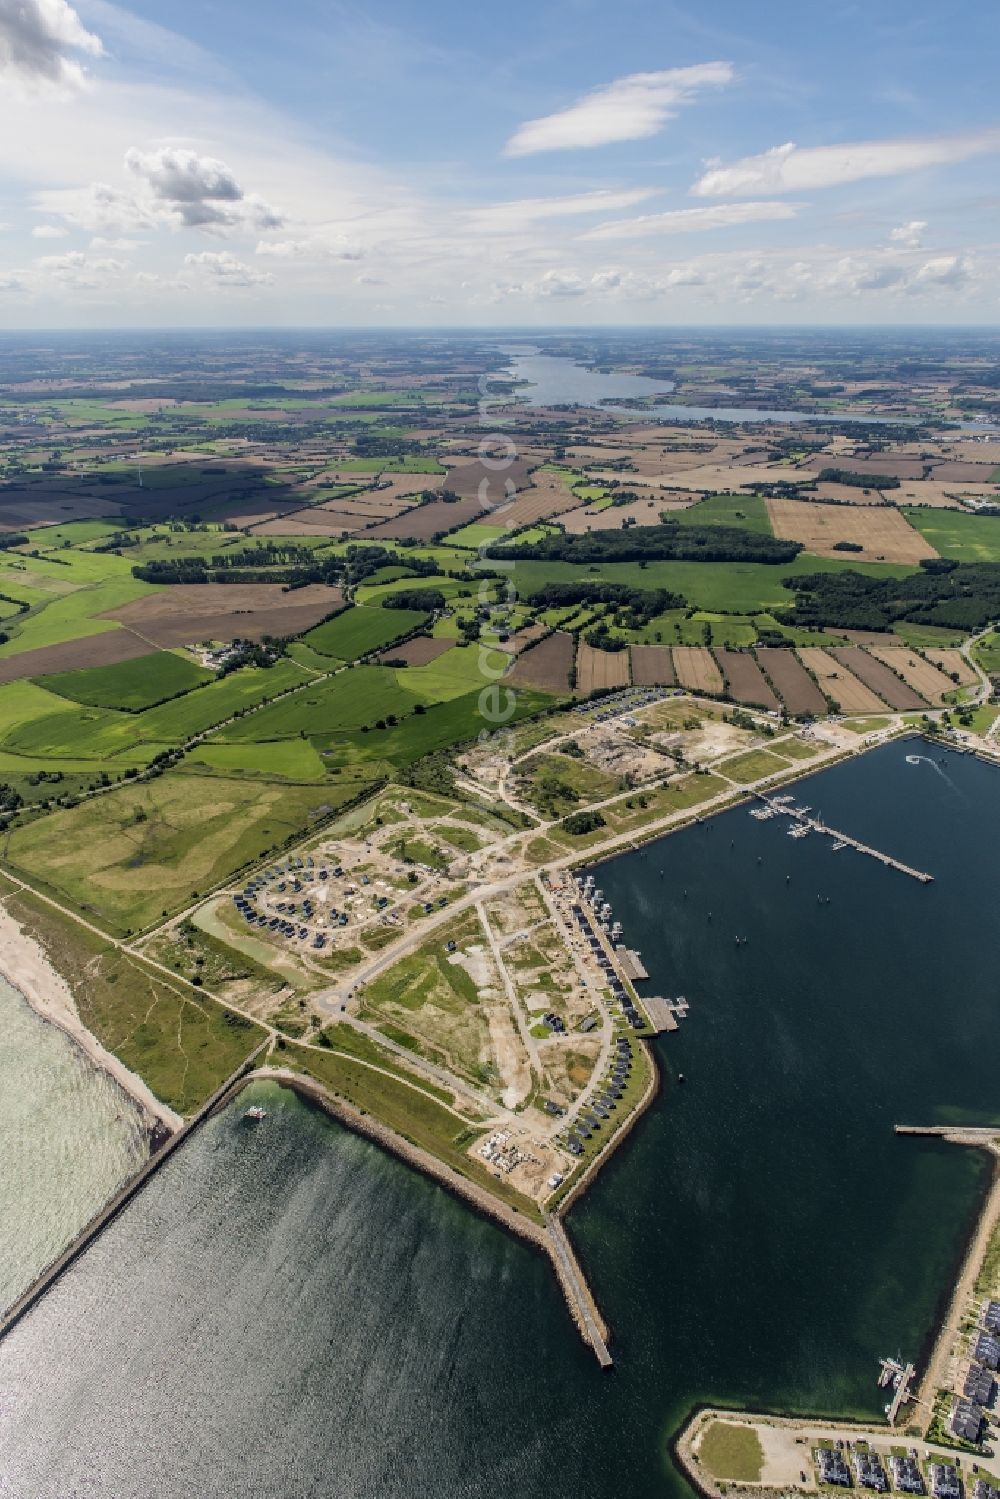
[{"x": 926, "y": 760}]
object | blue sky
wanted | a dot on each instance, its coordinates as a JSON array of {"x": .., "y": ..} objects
[{"x": 457, "y": 164}]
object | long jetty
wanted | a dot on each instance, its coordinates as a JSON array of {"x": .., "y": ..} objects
[
  {"x": 972, "y": 1133},
  {"x": 577, "y": 1291},
  {"x": 797, "y": 814}
]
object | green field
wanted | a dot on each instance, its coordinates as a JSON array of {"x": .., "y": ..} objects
[
  {"x": 966, "y": 538},
  {"x": 355, "y": 632},
  {"x": 722, "y": 587},
  {"x": 280, "y": 759},
  {"x": 125, "y": 857},
  {"x": 987, "y": 653},
  {"x": 360, "y": 695},
  {"x": 732, "y": 1453},
  {"x": 748, "y": 511},
  {"x": 131, "y": 685}
]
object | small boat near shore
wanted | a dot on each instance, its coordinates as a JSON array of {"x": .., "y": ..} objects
[{"x": 255, "y": 1113}]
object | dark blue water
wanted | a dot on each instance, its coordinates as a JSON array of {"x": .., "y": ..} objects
[{"x": 287, "y": 1312}]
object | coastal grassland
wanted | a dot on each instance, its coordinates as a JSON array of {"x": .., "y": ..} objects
[
  {"x": 228, "y": 971},
  {"x": 354, "y": 632},
  {"x": 433, "y": 993},
  {"x": 747, "y": 511},
  {"x": 406, "y": 1110},
  {"x": 556, "y": 783},
  {"x": 632, "y": 813},
  {"x": 752, "y": 766},
  {"x": 132, "y": 685},
  {"x": 357, "y": 1044},
  {"x": 138, "y": 851},
  {"x": 183, "y": 1044},
  {"x": 965, "y": 538},
  {"x": 731, "y": 1453}
]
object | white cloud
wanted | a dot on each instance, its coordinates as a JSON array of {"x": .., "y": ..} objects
[
  {"x": 692, "y": 220},
  {"x": 99, "y": 208},
  {"x": 910, "y": 234},
  {"x": 501, "y": 217},
  {"x": 199, "y": 192},
  {"x": 225, "y": 270},
  {"x": 629, "y": 109},
  {"x": 945, "y": 271},
  {"x": 791, "y": 168},
  {"x": 37, "y": 41},
  {"x": 48, "y": 231},
  {"x": 99, "y": 242},
  {"x": 316, "y": 247}
]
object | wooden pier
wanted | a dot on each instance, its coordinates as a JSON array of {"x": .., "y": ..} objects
[
  {"x": 904, "y": 1378},
  {"x": 804, "y": 820},
  {"x": 661, "y": 1014}
]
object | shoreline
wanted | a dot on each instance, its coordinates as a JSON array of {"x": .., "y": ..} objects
[
  {"x": 573, "y": 1283},
  {"x": 26, "y": 967}
]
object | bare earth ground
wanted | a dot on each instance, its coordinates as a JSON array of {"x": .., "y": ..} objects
[
  {"x": 546, "y": 665},
  {"x": 840, "y": 684},
  {"x": 696, "y": 668},
  {"x": 746, "y": 680},
  {"x": 652, "y": 666},
  {"x": 106, "y": 649},
  {"x": 876, "y": 675},
  {"x": 923, "y": 676},
  {"x": 791, "y": 680},
  {"x": 596, "y": 669},
  {"x": 418, "y": 652},
  {"x": 189, "y": 612}
]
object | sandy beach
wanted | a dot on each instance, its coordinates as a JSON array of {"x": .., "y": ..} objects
[{"x": 24, "y": 964}]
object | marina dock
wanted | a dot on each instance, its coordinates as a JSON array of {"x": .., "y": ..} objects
[
  {"x": 900, "y": 1376},
  {"x": 661, "y": 1014},
  {"x": 776, "y": 806}
]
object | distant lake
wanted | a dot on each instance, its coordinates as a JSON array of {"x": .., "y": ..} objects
[
  {"x": 286, "y": 1311},
  {"x": 555, "y": 380}
]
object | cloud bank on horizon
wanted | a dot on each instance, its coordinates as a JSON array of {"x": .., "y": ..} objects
[{"x": 246, "y": 167}]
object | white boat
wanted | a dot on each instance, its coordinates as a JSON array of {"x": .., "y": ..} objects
[{"x": 256, "y": 1112}]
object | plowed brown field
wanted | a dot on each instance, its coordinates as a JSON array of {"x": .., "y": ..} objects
[
  {"x": 745, "y": 679},
  {"x": 850, "y": 695},
  {"x": 652, "y": 666},
  {"x": 792, "y": 682},
  {"x": 696, "y": 668},
  {"x": 876, "y": 675}
]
